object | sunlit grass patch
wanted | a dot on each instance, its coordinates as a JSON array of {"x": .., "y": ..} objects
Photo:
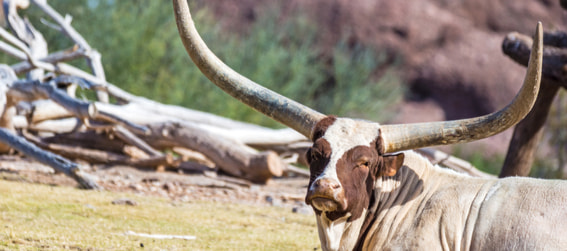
[{"x": 44, "y": 217}]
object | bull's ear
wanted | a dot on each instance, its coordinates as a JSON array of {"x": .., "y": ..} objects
[{"x": 392, "y": 163}]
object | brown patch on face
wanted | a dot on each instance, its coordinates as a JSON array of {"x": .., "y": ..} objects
[
  {"x": 318, "y": 157},
  {"x": 321, "y": 127},
  {"x": 356, "y": 170}
]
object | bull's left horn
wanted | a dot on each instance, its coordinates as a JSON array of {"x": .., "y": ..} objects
[
  {"x": 411, "y": 136},
  {"x": 278, "y": 107}
]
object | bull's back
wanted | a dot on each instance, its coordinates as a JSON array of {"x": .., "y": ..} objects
[{"x": 522, "y": 214}]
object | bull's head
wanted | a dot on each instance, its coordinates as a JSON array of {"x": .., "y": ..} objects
[
  {"x": 346, "y": 158},
  {"x": 348, "y": 155}
]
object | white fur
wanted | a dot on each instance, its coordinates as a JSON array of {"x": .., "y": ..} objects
[
  {"x": 338, "y": 234},
  {"x": 343, "y": 135},
  {"x": 331, "y": 232}
]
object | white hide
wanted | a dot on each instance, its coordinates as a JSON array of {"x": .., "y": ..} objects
[{"x": 343, "y": 135}]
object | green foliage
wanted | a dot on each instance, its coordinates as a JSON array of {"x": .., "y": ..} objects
[
  {"x": 356, "y": 92},
  {"x": 557, "y": 124},
  {"x": 143, "y": 54},
  {"x": 488, "y": 164},
  {"x": 546, "y": 168}
]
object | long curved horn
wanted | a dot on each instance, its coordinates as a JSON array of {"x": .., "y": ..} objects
[
  {"x": 278, "y": 107},
  {"x": 411, "y": 136}
]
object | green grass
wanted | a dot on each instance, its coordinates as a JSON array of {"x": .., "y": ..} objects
[{"x": 40, "y": 217}]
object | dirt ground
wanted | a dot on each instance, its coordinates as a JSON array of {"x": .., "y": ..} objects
[{"x": 286, "y": 192}]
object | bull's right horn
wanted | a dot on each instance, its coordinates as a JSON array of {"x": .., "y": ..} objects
[
  {"x": 278, "y": 107},
  {"x": 411, "y": 136}
]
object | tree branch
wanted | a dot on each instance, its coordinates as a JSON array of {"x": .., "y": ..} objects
[
  {"x": 518, "y": 47},
  {"x": 57, "y": 162}
]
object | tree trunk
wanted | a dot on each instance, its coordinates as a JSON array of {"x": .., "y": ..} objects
[{"x": 528, "y": 132}]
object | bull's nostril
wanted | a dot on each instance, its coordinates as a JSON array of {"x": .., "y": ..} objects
[{"x": 335, "y": 186}]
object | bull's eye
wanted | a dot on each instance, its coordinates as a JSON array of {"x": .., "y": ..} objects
[{"x": 363, "y": 163}]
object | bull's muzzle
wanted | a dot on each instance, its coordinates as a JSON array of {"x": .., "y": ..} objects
[{"x": 326, "y": 195}]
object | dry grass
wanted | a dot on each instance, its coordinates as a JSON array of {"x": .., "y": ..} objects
[{"x": 40, "y": 217}]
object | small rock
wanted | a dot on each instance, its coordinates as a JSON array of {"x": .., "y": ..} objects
[
  {"x": 184, "y": 198},
  {"x": 125, "y": 201},
  {"x": 255, "y": 188},
  {"x": 89, "y": 206},
  {"x": 274, "y": 201},
  {"x": 269, "y": 199},
  {"x": 305, "y": 210},
  {"x": 150, "y": 179},
  {"x": 162, "y": 193},
  {"x": 210, "y": 174},
  {"x": 137, "y": 187},
  {"x": 168, "y": 186}
]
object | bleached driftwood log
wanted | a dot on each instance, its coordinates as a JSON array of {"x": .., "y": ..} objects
[
  {"x": 231, "y": 156},
  {"x": 452, "y": 162},
  {"x": 57, "y": 162}
]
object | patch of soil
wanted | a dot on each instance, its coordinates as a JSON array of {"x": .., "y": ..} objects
[{"x": 177, "y": 186}]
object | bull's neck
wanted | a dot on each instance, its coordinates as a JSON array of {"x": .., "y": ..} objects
[
  {"x": 393, "y": 197},
  {"x": 397, "y": 199},
  {"x": 406, "y": 185},
  {"x": 340, "y": 234}
]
